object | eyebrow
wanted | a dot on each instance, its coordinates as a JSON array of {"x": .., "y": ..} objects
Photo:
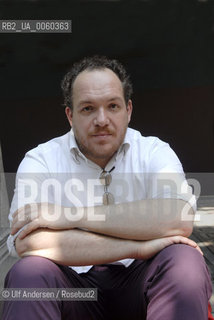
[{"x": 90, "y": 101}]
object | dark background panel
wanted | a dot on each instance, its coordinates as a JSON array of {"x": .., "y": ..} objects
[{"x": 167, "y": 47}]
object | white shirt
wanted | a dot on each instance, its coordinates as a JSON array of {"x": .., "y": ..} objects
[{"x": 144, "y": 167}]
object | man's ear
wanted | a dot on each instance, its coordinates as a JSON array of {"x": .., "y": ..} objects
[
  {"x": 69, "y": 115},
  {"x": 129, "y": 110}
]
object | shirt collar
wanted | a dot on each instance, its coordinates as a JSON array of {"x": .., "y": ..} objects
[
  {"x": 125, "y": 145},
  {"x": 72, "y": 142},
  {"x": 77, "y": 153}
]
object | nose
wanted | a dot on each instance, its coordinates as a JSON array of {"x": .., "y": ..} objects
[{"x": 101, "y": 118}]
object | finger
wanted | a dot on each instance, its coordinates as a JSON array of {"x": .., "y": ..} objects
[
  {"x": 20, "y": 216},
  {"x": 194, "y": 245},
  {"x": 26, "y": 211},
  {"x": 190, "y": 242},
  {"x": 28, "y": 229},
  {"x": 16, "y": 226},
  {"x": 183, "y": 240},
  {"x": 21, "y": 212},
  {"x": 24, "y": 216},
  {"x": 20, "y": 221},
  {"x": 17, "y": 212},
  {"x": 199, "y": 250}
]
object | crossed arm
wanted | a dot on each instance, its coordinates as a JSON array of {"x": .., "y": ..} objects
[{"x": 102, "y": 234}]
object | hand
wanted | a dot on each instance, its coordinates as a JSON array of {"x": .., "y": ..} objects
[
  {"x": 40, "y": 215},
  {"x": 147, "y": 249}
]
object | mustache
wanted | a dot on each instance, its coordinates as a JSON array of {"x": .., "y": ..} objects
[{"x": 99, "y": 131}]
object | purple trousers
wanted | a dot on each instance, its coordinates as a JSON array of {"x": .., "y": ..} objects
[{"x": 173, "y": 285}]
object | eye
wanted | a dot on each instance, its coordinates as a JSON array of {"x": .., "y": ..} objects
[
  {"x": 114, "y": 106},
  {"x": 87, "y": 109}
]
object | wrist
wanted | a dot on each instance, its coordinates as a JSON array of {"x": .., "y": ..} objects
[
  {"x": 132, "y": 249},
  {"x": 69, "y": 217},
  {"x": 75, "y": 217}
]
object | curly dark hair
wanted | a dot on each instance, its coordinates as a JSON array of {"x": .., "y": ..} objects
[{"x": 94, "y": 63}]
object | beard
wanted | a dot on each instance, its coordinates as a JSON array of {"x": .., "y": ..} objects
[{"x": 103, "y": 150}]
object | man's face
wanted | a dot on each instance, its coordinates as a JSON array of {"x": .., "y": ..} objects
[{"x": 100, "y": 115}]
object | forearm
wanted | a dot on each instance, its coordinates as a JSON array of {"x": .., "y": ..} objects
[
  {"x": 75, "y": 247},
  {"x": 79, "y": 248},
  {"x": 139, "y": 220}
]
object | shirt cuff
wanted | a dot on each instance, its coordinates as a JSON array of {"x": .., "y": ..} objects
[{"x": 11, "y": 244}]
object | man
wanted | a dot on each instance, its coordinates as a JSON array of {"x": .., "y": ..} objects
[{"x": 116, "y": 217}]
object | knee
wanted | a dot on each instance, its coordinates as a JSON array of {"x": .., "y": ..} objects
[
  {"x": 28, "y": 271},
  {"x": 185, "y": 267},
  {"x": 32, "y": 266}
]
